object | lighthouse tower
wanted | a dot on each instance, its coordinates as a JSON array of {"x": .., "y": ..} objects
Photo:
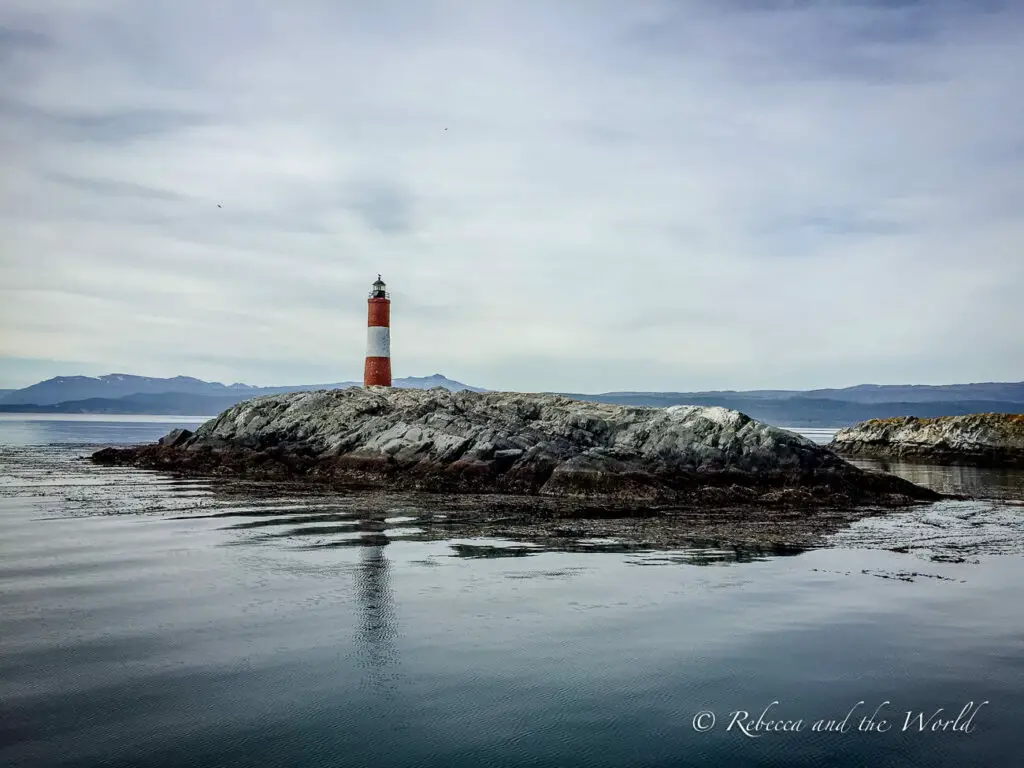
[{"x": 377, "y": 372}]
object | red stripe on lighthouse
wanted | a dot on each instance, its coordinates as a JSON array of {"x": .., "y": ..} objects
[
  {"x": 377, "y": 370},
  {"x": 380, "y": 313}
]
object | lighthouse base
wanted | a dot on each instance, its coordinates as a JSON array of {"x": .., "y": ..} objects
[{"x": 377, "y": 372}]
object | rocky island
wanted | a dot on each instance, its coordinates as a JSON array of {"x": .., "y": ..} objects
[
  {"x": 534, "y": 445},
  {"x": 985, "y": 439}
]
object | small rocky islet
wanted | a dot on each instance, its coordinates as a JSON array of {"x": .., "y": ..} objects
[
  {"x": 539, "y": 446},
  {"x": 982, "y": 439}
]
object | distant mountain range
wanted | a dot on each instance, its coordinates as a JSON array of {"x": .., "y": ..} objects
[
  {"x": 869, "y": 393},
  {"x": 802, "y": 411},
  {"x": 840, "y": 407},
  {"x": 115, "y": 386},
  {"x": 125, "y": 394}
]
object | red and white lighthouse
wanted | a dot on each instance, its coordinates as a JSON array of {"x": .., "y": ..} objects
[{"x": 377, "y": 372}]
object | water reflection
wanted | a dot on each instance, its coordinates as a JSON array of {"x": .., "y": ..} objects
[
  {"x": 979, "y": 482},
  {"x": 691, "y": 552},
  {"x": 355, "y": 521},
  {"x": 377, "y": 629}
]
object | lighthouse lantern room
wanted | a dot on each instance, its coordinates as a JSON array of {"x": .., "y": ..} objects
[{"x": 377, "y": 372}]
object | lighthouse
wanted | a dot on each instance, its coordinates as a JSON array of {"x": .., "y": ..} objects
[{"x": 377, "y": 372}]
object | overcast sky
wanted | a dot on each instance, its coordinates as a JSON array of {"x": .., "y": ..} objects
[{"x": 572, "y": 195}]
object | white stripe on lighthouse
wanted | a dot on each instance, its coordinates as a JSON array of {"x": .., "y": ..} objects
[{"x": 378, "y": 341}]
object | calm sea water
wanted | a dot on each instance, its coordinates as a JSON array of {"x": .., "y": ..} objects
[{"x": 148, "y": 621}]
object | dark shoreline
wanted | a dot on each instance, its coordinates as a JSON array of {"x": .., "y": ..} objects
[
  {"x": 711, "y": 488},
  {"x": 771, "y": 512}
]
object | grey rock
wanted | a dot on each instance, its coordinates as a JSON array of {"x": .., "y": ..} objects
[
  {"x": 175, "y": 437},
  {"x": 442, "y": 427},
  {"x": 986, "y": 439},
  {"x": 517, "y": 443}
]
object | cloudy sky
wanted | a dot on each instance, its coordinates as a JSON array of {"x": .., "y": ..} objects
[{"x": 573, "y": 195}]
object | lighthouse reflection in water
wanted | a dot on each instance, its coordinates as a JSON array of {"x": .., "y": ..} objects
[{"x": 377, "y": 626}]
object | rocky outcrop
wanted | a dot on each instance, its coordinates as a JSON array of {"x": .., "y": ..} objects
[
  {"x": 513, "y": 443},
  {"x": 986, "y": 439},
  {"x": 175, "y": 437}
]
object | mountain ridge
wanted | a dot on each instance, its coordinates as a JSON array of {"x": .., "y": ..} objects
[
  {"x": 64, "y": 389},
  {"x": 793, "y": 408},
  {"x": 866, "y": 393}
]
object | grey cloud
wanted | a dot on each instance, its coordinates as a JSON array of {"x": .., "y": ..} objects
[
  {"x": 387, "y": 208},
  {"x": 105, "y": 127},
  {"x": 836, "y": 222},
  {"x": 849, "y": 40},
  {"x": 125, "y": 125},
  {"x": 628, "y": 196},
  {"x": 111, "y": 187},
  {"x": 660, "y": 317},
  {"x": 12, "y": 39}
]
